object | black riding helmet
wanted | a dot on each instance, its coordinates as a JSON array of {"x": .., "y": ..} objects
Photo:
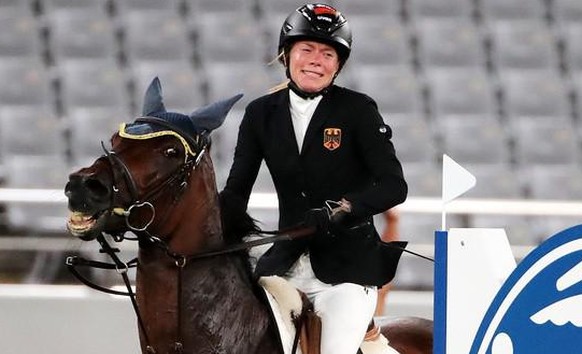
[{"x": 318, "y": 22}]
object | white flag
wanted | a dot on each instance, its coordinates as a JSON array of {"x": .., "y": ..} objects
[{"x": 456, "y": 179}]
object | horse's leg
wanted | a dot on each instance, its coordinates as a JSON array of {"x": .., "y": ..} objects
[{"x": 408, "y": 335}]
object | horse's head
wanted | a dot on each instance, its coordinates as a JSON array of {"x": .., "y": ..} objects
[{"x": 137, "y": 184}]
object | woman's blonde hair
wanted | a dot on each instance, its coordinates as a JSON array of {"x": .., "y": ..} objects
[{"x": 283, "y": 85}]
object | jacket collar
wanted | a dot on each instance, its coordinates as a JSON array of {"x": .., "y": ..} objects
[{"x": 281, "y": 110}]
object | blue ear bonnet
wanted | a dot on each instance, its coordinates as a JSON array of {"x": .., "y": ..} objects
[
  {"x": 182, "y": 122},
  {"x": 156, "y": 121}
]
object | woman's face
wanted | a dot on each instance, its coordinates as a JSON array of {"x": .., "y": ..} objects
[{"x": 312, "y": 65}]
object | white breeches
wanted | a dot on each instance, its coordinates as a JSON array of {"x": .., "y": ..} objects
[{"x": 345, "y": 309}]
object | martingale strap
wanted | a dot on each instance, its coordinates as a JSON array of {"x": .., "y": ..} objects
[{"x": 121, "y": 268}]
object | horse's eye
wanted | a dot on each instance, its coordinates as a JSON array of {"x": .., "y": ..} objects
[{"x": 171, "y": 152}]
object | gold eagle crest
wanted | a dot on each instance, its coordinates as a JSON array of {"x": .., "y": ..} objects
[{"x": 332, "y": 138}]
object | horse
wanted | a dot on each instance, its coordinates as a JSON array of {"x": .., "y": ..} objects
[{"x": 192, "y": 294}]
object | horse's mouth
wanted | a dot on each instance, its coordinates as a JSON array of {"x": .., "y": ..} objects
[{"x": 80, "y": 224}]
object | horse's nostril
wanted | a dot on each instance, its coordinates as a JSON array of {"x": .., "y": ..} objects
[{"x": 96, "y": 187}]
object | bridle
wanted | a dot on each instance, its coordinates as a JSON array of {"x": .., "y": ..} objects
[{"x": 176, "y": 180}]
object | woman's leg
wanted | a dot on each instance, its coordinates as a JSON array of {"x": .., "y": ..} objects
[{"x": 345, "y": 310}]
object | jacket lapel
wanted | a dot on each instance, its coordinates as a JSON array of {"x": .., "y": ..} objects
[
  {"x": 283, "y": 116},
  {"x": 319, "y": 117}
]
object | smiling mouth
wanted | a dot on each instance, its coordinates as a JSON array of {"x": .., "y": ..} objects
[{"x": 312, "y": 73}]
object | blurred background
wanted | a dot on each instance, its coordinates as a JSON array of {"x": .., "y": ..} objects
[{"x": 495, "y": 84}]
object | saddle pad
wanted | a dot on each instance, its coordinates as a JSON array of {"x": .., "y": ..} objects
[{"x": 282, "y": 298}]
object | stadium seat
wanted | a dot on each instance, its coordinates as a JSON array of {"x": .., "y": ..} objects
[
  {"x": 223, "y": 6},
  {"x": 546, "y": 227},
  {"x": 29, "y": 172},
  {"x": 19, "y": 34},
  {"x": 88, "y": 128},
  {"x": 420, "y": 228},
  {"x": 156, "y": 35},
  {"x": 419, "y": 10},
  {"x": 534, "y": 93},
  {"x": 545, "y": 141},
  {"x": 240, "y": 39},
  {"x": 397, "y": 90},
  {"x": 92, "y": 83},
  {"x": 81, "y": 34},
  {"x": 424, "y": 179},
  {"x": 380, "y": 41},
  {"x": 253, "y": 80},
  {"x": 16, "y": 5},
  {"x": 461, "y": 91},
  {"x": 412, "y": 138},
  {"x": 474, "y": 140},
  {"x": 66, "y": 5},
  {"x": 182, "y": 85},
  {"x": 566, "y": 11},
  {"x": 30, "y": 130},
  {"x": 450, "y": 42},
  {"x": 493, "y": 10},
  {"x": 494, "y": 181},
  {"x": 571, "y": 34},
  {"x": 127, "y": 7},
  {"x": 577, "y": 91},
  {"x": 523, "y": 44},
  {"x": 25, "y": 82},
  {"x": 559, "y": 182},
  {"x": 224, "y": 142},
  {"x": 356, "y": 9}
]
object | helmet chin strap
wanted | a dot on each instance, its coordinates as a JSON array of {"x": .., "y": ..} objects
[{"x": 304, "y": 94}]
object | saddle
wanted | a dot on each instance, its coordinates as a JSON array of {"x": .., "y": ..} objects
[{"x": 294, "y": 313}]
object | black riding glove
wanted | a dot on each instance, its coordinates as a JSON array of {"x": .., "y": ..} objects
[{"x": 332, "y": 213}]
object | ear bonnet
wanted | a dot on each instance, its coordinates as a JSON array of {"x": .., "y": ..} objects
[{"x": 189, "y": 129}]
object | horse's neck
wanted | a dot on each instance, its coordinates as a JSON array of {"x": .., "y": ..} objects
[
  {"x": 209, "y": 304},
  {"x": 218, "y": 307},
  {"x": 196, "y": 216}
]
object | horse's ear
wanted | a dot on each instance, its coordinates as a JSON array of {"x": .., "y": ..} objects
[
  {"x": 212, "y": 116},
  {"x": 153, "y": 101}
]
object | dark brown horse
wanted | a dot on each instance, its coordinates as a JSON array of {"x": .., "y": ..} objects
[{"x": 158, "y": 182}]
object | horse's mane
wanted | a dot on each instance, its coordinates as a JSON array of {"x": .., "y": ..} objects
[{"x": 236, "y": 222}]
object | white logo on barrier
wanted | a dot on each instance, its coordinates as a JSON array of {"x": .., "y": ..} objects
[{"x": 538, "y": 310}]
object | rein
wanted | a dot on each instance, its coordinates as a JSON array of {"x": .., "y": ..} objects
[
  {"x": 180, "y": 260},
  {"x": 72, "y": 262}
]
